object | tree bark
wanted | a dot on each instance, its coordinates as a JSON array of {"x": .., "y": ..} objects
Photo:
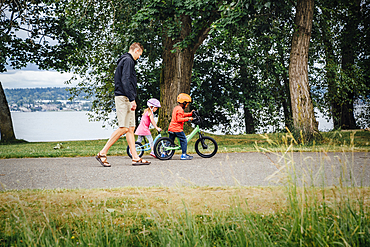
[
  {"x": 302, "y": 107},
  {"x": 347, "y": 119},
  {"x": 284, "y": 93},
  {"x": 6, "y": 124},
  {"x": 249, "y": 121},
  {"x": 177, "y": 68},
  {"x": 176, "y": 79}
]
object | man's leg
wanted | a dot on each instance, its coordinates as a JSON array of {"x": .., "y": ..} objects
[
  {"x": 114, "y": 137},
  {"x": 130, "y": 137},
  {"x": 136, "y": 160}
]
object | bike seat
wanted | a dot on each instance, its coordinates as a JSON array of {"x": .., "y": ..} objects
[{"x": 170, "y": 132}]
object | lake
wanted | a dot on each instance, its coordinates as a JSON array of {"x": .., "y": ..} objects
[
  {"x": 73, "y": 125},
  {"x": 57, "y": 126}
]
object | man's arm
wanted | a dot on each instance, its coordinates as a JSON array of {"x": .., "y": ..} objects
[
  {"x": 127, "y": 81},
  {"x": 133, "y": 105}
]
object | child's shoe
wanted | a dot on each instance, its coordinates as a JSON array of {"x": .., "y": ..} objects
[
  {"x": 186, "y": 157},
  {"x": 152, "y": 154}
]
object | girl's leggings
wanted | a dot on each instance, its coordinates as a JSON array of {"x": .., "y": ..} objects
[{"x": 149, "y": 137}]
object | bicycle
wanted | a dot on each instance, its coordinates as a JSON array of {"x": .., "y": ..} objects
[
  {"x": 140, "y": 148},
  {"x": 205, "y": 146}
]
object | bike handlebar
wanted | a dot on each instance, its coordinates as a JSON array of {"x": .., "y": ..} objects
[{"x": 196, "y": 119}]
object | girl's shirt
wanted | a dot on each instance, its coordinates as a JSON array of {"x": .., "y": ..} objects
[
  {"x": 178, "y": 119},
  {"x": 143, "y": 128}
]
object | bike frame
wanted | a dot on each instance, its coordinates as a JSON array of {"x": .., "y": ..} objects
[{"x": 188, "y": 138}]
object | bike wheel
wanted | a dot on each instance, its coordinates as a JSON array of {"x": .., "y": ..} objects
[
  {"x": 159, "y": 148},
  {"x": 206, "y": 147},
  {"x": 139, "y": 149}
]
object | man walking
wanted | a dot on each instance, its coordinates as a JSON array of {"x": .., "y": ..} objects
[{"x": 125, "y": 82}]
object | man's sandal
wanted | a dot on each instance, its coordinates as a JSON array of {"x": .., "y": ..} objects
[
  {"x": 140, "y": 162},
  {"x": 102, "y": 160}
]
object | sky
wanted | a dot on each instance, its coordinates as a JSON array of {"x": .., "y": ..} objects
[{"x": 32, "y": 77}]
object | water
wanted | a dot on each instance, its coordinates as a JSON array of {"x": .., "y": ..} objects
[
  {"x": 57, "y": 126},
  {"x": 74, "y": 125}
]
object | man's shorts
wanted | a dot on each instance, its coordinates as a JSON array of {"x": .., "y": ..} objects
[{"x": 125, "y": 117}]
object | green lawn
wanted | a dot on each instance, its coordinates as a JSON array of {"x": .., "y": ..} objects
[{"x": 332, "y": 141}]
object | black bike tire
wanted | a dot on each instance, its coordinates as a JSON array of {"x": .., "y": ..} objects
[
  {"x": 141, "y": 153},
  {"x": 157, "y": 148},
  {"x": 198, "y": 142}
]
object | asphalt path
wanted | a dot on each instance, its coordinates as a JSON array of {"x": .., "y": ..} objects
[{"x": 224, "y": 169}]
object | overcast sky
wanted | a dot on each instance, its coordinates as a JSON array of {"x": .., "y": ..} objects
[{"x": 32, "y": 77}]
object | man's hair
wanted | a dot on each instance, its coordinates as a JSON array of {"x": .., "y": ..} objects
[{"x": 136, "y": 45}]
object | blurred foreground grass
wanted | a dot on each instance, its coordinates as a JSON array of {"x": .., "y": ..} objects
[
  {"x": 186, "y": 216},
  {"x": 336, "y": 141}
]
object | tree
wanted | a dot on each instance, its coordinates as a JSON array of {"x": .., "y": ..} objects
[
  {"x": 327, "y": 27},
  {"x": 241, "y": 71},
  {"x": 6, "y": 124},
  {"x": 340, "y": 37},
  {"x": 170, "y": 31},
  {"x": 48, "y": 40},
  {"x": 302, "y": 107},
  {"x": 109, "y": 33},
  {"x": 349, "y": 47},
  {"x": 182, "y": 26}
]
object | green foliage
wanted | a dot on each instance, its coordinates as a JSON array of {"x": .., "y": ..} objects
[
  {"x": 339, "y": 48},
  {"x": 242, "y": 70},
  {"x": 35, "y": 32},
  {"x": 109, "y": 33}
]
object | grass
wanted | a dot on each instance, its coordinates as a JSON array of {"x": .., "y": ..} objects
[
  {"x": 335, "y": 141},
  {"x": 186, "y": 216},
  {"x": 295, "y": 212}
]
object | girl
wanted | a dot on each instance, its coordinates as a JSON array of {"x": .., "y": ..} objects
[{"x": 147, "y": 119}]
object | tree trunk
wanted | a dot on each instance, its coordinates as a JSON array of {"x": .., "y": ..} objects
[
  {"x": 302, "y": 107},
  {"x": 284, "y": 93},
  {"x": 331, "y": 78},
  {"x": 347, "y": 119},
  {"x": 176, "y": 79},
  {"x": 177, "y": 69},
  {"x": 249, "y": 121},
  {"x": 6, "y": 125},
  {"x": 331, "y": 74}
]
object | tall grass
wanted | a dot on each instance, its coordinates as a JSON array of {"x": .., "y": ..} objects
[
  {"x": 321, "y": 215},
  {"x": 311, "y": 213}
]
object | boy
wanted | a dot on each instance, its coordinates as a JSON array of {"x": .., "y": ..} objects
[{"x": 177, "y": 123}]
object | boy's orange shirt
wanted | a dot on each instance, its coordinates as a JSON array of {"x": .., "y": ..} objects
[{"x": 178, "y": 119}]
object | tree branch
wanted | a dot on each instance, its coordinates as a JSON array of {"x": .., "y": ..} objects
[
  {"x": 203, "y": 33},
  {"x": 201, "y": 37}
]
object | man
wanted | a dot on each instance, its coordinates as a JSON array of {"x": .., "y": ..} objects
[{"x": 125, "y": 82}]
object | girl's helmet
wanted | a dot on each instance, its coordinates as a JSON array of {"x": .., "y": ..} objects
[
  {"x": 153, "y": 102},
  {"x": 183, "y": 98}
]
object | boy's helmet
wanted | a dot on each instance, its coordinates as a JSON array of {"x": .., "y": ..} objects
[
  {"x": 153, "y": 102},
  {"x": 183, "y": 98}
]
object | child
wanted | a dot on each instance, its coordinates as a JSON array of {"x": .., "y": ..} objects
[
  {"x": 177, "y": 123},
  {"x": 147, "y": 118}
]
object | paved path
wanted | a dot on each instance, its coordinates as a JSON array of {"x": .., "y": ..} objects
[{"x": 247, "y": 169}]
